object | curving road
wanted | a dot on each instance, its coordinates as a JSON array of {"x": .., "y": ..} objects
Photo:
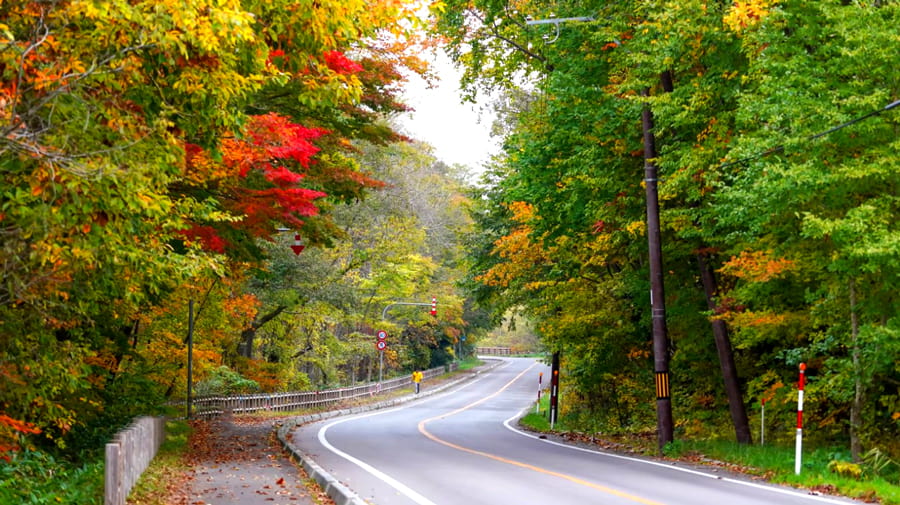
[{"x": 461, "y": 447}]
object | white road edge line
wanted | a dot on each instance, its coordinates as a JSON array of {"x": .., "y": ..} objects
[
  {"x": 387, "y": 479},
  {"x": 670, "y": 467}
]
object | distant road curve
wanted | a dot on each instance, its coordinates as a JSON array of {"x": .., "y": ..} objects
[{"x": 460, "y": 448}]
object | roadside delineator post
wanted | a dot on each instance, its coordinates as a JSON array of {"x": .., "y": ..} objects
[
  {"x": 762, "y": 421},
  {"x": 799, "y": 445},
  {"x": 554, "y": 389},
  {"x": 537, "y": 406}
]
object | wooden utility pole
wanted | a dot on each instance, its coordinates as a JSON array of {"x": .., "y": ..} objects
[
  {"x": 190, "y": 357},
  {"x": 664, "y": 423}
]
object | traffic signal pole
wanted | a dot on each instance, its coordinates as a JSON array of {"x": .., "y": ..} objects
[{"x": 381, "y": 345}]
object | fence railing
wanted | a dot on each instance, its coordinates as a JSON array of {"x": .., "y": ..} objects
[
  {"x": 129, "y": 454},
  {"x": 211, "y": 406},
  {"x": 493, "y": 351}
]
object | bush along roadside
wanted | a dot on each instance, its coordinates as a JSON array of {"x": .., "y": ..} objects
[{"x": 49, "y": 479}]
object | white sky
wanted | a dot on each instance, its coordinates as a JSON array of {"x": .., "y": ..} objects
[{"x": 458, "y": 133}]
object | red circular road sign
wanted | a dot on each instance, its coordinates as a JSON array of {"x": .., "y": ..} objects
[
  {"x": 381, "y": 334},
  {"x": 381, "y": 345}
]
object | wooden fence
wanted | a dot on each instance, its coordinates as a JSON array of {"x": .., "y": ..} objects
[
  {"x": 493, "y": 351},
  {"x": 129, "y": 454},
  {"x": 211, "y": 406}
]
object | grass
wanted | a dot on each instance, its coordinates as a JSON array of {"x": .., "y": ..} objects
[
  {"x": 775, "y": 463},
  {"x": 470, "y": 363},
  {"x": 165, "y": 474}
]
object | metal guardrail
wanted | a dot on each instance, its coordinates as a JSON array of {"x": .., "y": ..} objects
[{"x": 212, "y": 406}]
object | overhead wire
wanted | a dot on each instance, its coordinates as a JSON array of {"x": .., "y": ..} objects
[{"x": 780, "y": 148}]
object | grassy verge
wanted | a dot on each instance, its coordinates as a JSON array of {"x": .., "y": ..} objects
[
  {"x": 470, "y": 363},
  {"x": 166, "y": 474},
  {"x": 774, "y": 463}
]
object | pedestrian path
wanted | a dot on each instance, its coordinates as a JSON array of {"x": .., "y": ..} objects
[{"x": 243, "y": 464}]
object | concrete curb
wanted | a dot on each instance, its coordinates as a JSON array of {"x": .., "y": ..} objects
[{"x": 341, "y": 494}]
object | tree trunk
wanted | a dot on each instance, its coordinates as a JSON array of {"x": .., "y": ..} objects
[
  {"x": 856, "y": 406},
  {"x": 726, "y": 358},
  {"x": 245, "y": 345}
]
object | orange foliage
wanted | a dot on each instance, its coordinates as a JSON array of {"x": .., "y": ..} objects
[
  {"x": 638, "y": 354},
  {"x": 263, "y": 373},
  {"x": 751, "y": 319},
  {"x": 10, "y": 429},
  {"x": 757, "y": 266},
  {"x": 770, "y": 392},
  {"x": 242, "y": 307},
  {"x": 517, "y": 249}
]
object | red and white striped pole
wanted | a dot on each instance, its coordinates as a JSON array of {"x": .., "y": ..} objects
[{"x": 801, "y": 384}]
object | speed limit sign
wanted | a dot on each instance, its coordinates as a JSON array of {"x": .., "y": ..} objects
[
  {"x": 381, "y": 345},
  {"x": 381, "y": 334}
]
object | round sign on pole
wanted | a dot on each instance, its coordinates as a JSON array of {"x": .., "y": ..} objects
[
  {"x": 381, "y": 334},
  {"x": 381, "y": 345}
]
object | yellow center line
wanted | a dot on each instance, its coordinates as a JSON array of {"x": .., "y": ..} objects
[{"x": 576, "y": 480}]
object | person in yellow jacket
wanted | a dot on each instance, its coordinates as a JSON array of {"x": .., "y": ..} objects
[{"x": 417, "y": 378}]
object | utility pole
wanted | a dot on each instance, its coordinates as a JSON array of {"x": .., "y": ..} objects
[
  {"x": 190, "y": 357},
  {"x": 664, "y": 422}
]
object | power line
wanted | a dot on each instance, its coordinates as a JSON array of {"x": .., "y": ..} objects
[{"x": 833, "y": 129}]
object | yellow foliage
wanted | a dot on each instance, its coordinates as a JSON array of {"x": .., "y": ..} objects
[
  {"x": 747, "y": 14},
  {"x": 636, "y": 228},
  {"x": 845, "y": 469}
]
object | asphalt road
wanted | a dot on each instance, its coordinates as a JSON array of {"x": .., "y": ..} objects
[{"x": 462, "y": 447}]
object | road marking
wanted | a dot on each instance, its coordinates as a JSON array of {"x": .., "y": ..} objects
[
  {"x": 387, "y": 479},
  {"x": 773, "y": 489},
  {"x": 576, "y": 480}
]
